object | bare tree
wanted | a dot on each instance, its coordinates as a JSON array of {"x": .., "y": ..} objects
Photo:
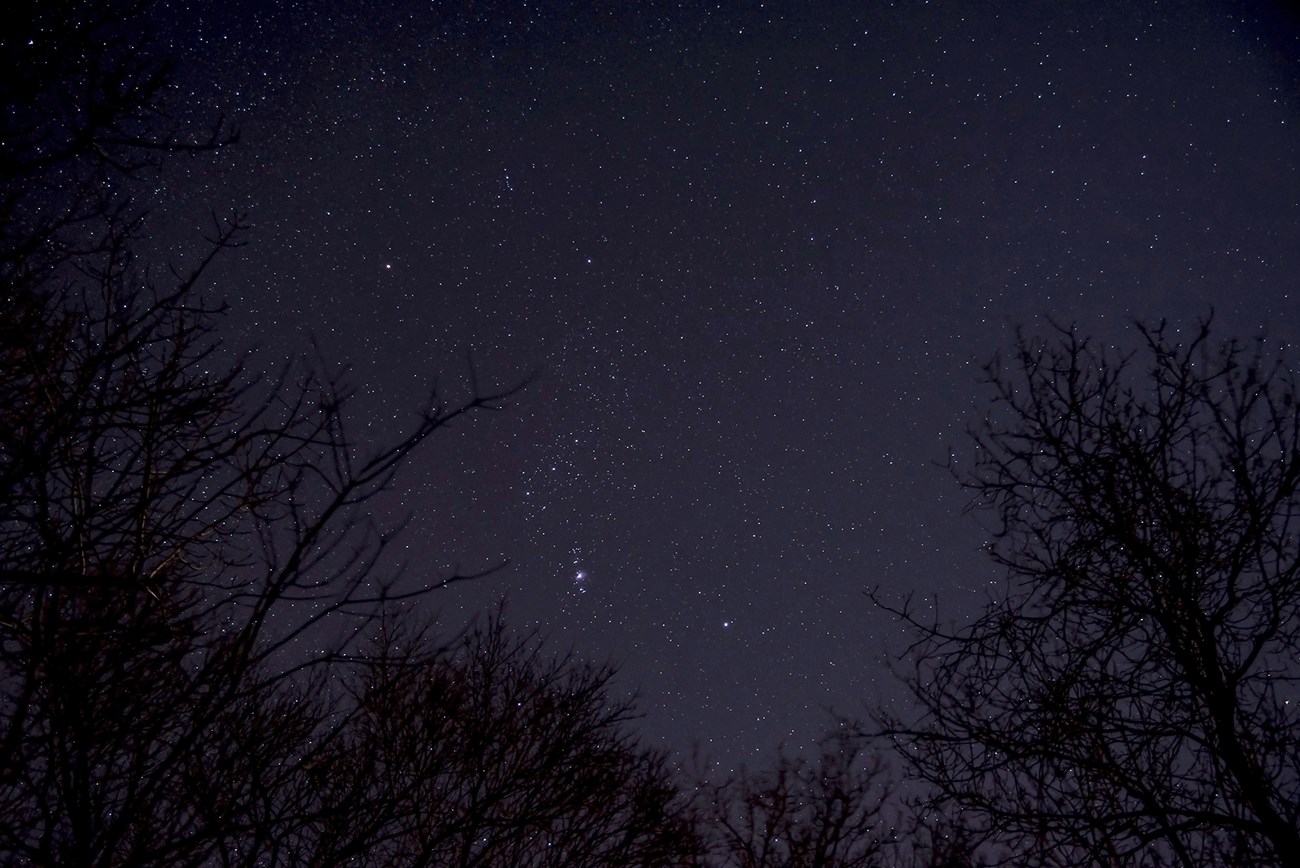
[
  {"x": 183, "y": 547},
  {"x": 491, "y": 753},
  {"x": 833, "y": 811},
  {"x": 205, "y": 657},
  {"x": 1130, "y": 698},
  {"x": 179, "y": 545}
]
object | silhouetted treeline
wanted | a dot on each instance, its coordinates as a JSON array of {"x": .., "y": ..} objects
[{"x": 207, "y": 659}]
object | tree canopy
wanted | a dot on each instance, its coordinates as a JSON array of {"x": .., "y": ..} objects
[
  {"x": 1131, "y": 696},
  {"x": 205, "y": 656}
]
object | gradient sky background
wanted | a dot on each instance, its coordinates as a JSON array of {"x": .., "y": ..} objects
[{"x": 759, "y": 251}]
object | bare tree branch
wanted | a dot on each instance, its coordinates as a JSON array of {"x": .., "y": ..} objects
[{"x": 1132, "y": 698}]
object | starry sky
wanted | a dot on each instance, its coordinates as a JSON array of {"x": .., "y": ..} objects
[{"x": 758, "y": 252}]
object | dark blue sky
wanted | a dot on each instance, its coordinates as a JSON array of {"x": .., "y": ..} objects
[{"x": 758, "y": 250}]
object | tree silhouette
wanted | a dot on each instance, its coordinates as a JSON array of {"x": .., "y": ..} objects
[
  {"x": 828, "y": 812},
  {"x": 199, "y": 661},
  {"x": 845, "y": 807},
  {"x": 1131, "y": 697},
  {"x": 171, "y": 561},
  {"x": 490, "y": 752}
]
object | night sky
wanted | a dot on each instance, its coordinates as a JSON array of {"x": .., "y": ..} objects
[{"x": 758, "y": 252}]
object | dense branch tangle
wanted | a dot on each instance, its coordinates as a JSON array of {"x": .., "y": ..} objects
[
  {"x": 172, "y": 533},
  {"x": 171, "y": 529},
  {"x": 205, "y": 657},
  {"x": 1131, "y": 698}
]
